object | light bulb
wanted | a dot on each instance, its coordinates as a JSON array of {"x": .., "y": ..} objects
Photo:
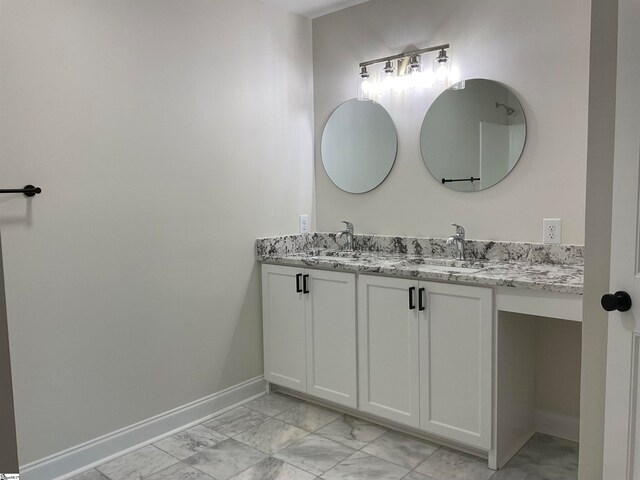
[
  {"x": 366, "y": 90},
  {"x": 386, "y": 86},
  {"x": 442, "y": 73},
  {"x": 388, "y": 82},
  {"x": 415, "y": 75},
  {"x": 414, "y": 80}
]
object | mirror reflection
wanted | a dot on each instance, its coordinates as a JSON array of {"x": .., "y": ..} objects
[
  {"x": 473, "y": 135},
  {"x": 359, "y": 146}
]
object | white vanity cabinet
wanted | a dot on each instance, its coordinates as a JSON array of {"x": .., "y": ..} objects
[
  {"x": 424, "y": 349},
  {"x": 309, "y": 321},
  {"x": 425, "y": 356},
  {"x": 456, "y": 332},
  {"x": 388, "y": 343},
  {"x": 283, "y": 316}
]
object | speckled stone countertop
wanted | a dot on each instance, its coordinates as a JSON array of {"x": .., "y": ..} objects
[{"x": 553, "y": 268}]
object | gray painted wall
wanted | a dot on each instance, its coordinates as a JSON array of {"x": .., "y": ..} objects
[
  {"x": 167, "y": 136},
  {"x": 558, "y": 365}
]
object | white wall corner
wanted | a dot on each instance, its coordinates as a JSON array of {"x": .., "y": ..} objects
[
  {"x": 75, "y": 460},
  {"x": 562, "y": 426}
]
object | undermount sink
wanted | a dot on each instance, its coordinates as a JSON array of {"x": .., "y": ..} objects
[
  {"x": 448, "y": 268},
  {"x": 334, "y": 253},
  {"x": 355, "y": 254}
]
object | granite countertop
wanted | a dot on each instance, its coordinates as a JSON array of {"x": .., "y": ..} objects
[{"x": 552, "y": 268}]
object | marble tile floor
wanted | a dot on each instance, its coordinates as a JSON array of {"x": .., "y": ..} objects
[{"x": 277, "y": 437}]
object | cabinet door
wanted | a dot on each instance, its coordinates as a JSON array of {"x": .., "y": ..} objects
[
  {"x": 331, "y": 336},
  {"x": 455, "y": 362},
  {"x": 388, "y": 349},
  {"x": 284, "y": 327}
]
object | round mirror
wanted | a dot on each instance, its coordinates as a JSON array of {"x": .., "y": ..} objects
[
  {"x": 473, "y": 135},
  {"x": 359, "y": 146}
]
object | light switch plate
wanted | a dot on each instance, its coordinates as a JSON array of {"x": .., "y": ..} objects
[
  {"x": 303, "y": 223},
  {"x": 552, "y": 230}
]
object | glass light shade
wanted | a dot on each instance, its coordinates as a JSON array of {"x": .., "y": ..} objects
[
  {"x": 387, "y": 83},
  {"x": 365, "y": 87},
  {"x": 442, "y": 69},
  {"x": 414, "y": 75}
]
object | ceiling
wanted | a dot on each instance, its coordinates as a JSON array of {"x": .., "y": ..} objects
[{"x": 313, "y": 8}]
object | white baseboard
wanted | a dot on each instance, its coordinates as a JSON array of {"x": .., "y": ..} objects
[
  {"x": 75, "y": 460},
  {"x": 561, "y": 426}
]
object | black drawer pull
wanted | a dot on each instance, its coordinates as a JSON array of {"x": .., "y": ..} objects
[
  {"x": 298, "y": 277},
  {"x": 421, "y": 295},
  {"x": 304, "y": 284},
  {"x": 412, "y": 305}
]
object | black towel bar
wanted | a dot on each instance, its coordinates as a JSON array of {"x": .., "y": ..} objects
[
  {"x": 28, "y": 190},
  {"x": 449, "y": 180}
]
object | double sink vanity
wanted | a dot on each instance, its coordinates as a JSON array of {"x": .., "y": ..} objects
[
  {"x": 433, "y": 336},
  {"x": 397, "y": 331}
]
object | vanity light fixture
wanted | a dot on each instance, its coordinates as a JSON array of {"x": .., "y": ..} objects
[{"x": 405, "y": 71}]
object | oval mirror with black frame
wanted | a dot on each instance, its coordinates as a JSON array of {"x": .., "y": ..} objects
[
  {"x": 359, "y": 146},
  {"x": 473, "y": 135}
]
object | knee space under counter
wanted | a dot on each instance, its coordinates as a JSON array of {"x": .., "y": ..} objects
[{"x": 538, "y": 380}]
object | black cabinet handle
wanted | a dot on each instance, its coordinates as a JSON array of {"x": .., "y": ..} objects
[
  {"x": 298, "y": 277},
  {"x": 620, "y": 301},
  {"x": 304, "y": 284},
  {"x": 421, "y": 294},
  {"x": 412, "y": 305}
]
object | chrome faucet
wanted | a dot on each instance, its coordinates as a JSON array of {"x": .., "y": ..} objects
[
  {"x": 349, "y": 233},
  {"x": 458, "y": 240}
]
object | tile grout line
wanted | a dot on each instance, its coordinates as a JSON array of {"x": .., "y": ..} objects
[
  {"x": 271, "y": 455},
  {"x": 130, "y": 453},
  {"x": 343, "y": 415},
  {"x": 182, "y": 461},
  {"x": 239, "y": 433},
  {"x": 356, "y": 450},
  {"x": 301, "y": 402}
]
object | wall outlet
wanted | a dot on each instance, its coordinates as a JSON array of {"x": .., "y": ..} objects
[
  {"x": 303, "y": 223},
  {"x": 552, "y": 230}
]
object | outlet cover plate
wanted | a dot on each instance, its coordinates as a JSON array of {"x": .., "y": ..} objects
[
  {"x": 552, "y": 230},
  {"x": 303, "y": 223}
]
